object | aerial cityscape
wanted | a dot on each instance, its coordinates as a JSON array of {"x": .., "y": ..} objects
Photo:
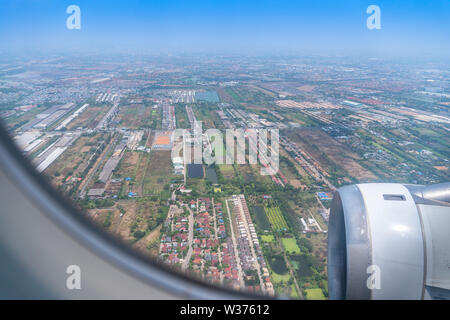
[{"x": 100, "y": 129}]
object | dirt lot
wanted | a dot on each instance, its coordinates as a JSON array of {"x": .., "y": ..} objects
[
  {"x": 88, "y": 118},
  {"x": 127, "y": 166},
  {"x": 319, "y": 246},
  {"x": 293, "y": 177},
  {"x": 158, "y": 173},
  {"x": 137, "y": 215},
  {"x": 247, "y": 173},
  {"x": 256, "y": 168},
  {"x": 120, "y": 226},
  {"x": 290, "y": 175},
  {"x": 135, "y": 116},
  {"x": 223, "y": 95},
  {"x": 149, "y": 245},
  {"x": 68, "y": 163},
  {"x": 227, "y": 171},
  {"x": 140, "y": 173},
  {"x": 316, "y": 142},
  {"x": 306, "y": 88}
]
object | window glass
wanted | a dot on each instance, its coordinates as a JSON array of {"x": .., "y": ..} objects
[{"x": 212, "y": 136}]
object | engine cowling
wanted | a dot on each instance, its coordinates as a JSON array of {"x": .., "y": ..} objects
[{"x": 389, "y": 241}]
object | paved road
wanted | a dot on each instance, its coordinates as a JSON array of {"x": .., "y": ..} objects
[
  {"x": 236, "y": 255},
  {"x": 170, "y": 215},
  {"x": 186, "y": 260},
  {"x": 216, "y": 237}
]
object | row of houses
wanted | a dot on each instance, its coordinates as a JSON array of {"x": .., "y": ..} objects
[
  {"x": 247, "y": 240},
  {"x": 175, "y": 243}
]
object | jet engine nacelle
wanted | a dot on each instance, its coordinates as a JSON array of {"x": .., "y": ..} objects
[{"x": 389, "y": 241}]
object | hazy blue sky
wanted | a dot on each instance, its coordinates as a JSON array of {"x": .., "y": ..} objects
[{"x": 409, "y": 27}]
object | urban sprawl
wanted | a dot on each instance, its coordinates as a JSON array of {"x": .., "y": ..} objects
[{"x": 100, "y": 130}]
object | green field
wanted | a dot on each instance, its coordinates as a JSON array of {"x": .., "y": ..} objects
[
  {"x": 261, "y": 218},
  {"x": 158, "y": 174},
  {"x": 290, "y": 245},
  {"x": 209, "y": 96},
  {"x": 277, "y": 278},
  {"x": 276, "y": 218},
  {"x": 294, "y": 293},
  {"x": 267, "y": 238},
  {"x": 315, "y": 294}
]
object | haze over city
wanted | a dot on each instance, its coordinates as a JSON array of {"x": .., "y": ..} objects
[{"x": 408, "y": 28}]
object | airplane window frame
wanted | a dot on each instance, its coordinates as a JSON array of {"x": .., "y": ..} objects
[{"x": 60, "y": 210}]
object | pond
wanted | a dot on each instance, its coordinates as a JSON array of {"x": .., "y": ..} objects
[
  {"x": 211, "y": 175},
  {"x": 195, "y": 170}
]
